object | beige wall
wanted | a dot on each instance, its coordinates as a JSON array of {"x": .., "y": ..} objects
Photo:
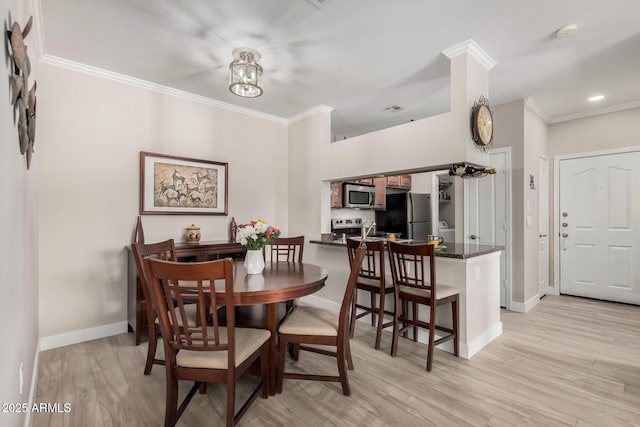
[
  {"x": 18, "y": 236},
  {"x": 509, "y": 132},
  {"x": 88, "y": 194},
  {"x": 535, "y": 145}
]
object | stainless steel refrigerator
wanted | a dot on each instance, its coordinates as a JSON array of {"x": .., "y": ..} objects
[{"x": 406, "y": 213}]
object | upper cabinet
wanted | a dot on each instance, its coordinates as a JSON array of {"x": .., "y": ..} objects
[
  {"x": 380, "y": 202},
  {"x": 336, "y": 194},
  {"x": 399, "y": 181},
  {"x": 364, "y": 181}
]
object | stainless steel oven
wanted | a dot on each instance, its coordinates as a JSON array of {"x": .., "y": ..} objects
[{"x": 358, "y": 196}]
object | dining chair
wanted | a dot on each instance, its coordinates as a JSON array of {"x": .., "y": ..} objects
[
  {"x": 408, "y": 264},
  {"x": 373, "y": 279},
  {"x": 284, "y": 249},
  {"x": 316, "y": 326},
  {"x": 162, "y": 250},
  {"x": 198, "y": 352}
]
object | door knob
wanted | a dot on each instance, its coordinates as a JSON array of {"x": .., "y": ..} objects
[
  {"x": 474, "y": 237},
  {"x": 542, "y": 235},
  {"x": 565, "y": 235},
  {"x": 564, "y": 224},
  {"x": 565, "y": 214}
]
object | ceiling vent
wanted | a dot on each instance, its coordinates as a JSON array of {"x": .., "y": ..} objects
[{"x": 393, "y": 109}]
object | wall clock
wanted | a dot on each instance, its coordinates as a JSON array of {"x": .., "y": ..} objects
[{"x": 482, "y": 124}]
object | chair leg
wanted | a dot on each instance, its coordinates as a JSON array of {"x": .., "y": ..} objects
[
  {"x": 432, "y": 332},
  {"x": 344, "y": 380},
  {"x": 264, "y": 370},
  {"x": 372, "y": 308},
  {"x": 454, "y": 322},
  {"x": 296, "y": 352},
  {"x": 231, "y": 400},
  {"x": 352, "y": 323},
  {"x": 171, "y": 408},
  {"x": 405, "y": 313},
  {"x": 203, "y": 388},
  {"x": 415, "y": 317},
  {"x": 380, "y": 320},
  {"x": 281, "y": 356},
  {"x": 347, "y": 351},
  {"x": 396, "y": 326},
  {"x": 151, "y": 350}
]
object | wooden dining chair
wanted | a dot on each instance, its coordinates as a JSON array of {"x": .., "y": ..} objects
[
  {"x": 408, "y": 264},
  {"x": 162, "y": 250},
  {"x": 311, "y": 325},
  {"x": 284, "y": 249},
  {"x": 373, "y": 279},
  {"x": 197, "y": 352}
]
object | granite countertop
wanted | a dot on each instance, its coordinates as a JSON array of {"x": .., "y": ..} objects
[{"x": 452, "y": 250}]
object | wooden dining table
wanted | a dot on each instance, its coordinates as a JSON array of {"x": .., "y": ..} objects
[{"x": 279, "y": 282}]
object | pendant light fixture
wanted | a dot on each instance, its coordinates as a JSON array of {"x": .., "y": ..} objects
[{"x": 245, "y": 74}]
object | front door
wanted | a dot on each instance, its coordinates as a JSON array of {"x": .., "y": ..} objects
[{"x": 600, "y": 227}]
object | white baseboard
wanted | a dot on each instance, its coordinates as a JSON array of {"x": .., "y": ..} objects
[
  {"x": 480, "y": 342},
  {"x": 519, "y": 307},
  {"x": 82, "y": 335},
  {"x": 34, "y": 384}
]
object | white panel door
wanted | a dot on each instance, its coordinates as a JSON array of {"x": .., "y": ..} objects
[
  {"x": 600, "y": 227},
  {"x": 543, "y": 226}
]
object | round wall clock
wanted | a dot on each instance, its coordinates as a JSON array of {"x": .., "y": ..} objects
[{"x": 482, "y": 124}]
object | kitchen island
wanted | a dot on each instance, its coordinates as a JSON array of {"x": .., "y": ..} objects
[{"x": 475, "y": 270}]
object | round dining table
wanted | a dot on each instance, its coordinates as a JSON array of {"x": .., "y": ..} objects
[{"x": 279, "y": 282}]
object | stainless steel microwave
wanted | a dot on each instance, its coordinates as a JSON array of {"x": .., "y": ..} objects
[{"x": 358, "y": 196}]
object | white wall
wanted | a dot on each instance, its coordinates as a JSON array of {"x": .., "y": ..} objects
[
  {"x": 18, "y": 236},
  {"x": 88, "y": 194}
]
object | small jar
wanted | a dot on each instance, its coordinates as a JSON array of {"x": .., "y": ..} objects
[
  {"x": 391, "y": 237},
  {"x": 192, "y": 234}
]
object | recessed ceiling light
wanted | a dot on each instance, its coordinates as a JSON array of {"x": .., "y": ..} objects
[
  {"x": 567, "y": 30},
  {"x": 595, "y": 98}
]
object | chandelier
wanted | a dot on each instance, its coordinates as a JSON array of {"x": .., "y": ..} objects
[{"x": 245, "y": 74}]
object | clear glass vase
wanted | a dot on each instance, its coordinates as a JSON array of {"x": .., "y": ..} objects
[{"x": 253, "y": 261}]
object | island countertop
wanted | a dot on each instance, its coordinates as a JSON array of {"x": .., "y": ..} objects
[{"x": 450, "y": 250}]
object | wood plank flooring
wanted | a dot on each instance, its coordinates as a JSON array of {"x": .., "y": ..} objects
[{"x": 568, "y": 362}]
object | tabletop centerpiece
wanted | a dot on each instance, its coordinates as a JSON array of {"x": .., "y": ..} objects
[{"x": 255, "y": 236}]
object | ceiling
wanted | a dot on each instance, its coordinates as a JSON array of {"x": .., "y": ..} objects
[{"x": 361, "y": 56}]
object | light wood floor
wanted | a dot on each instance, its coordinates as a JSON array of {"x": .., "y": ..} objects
[{"x": 569, "y": 361}]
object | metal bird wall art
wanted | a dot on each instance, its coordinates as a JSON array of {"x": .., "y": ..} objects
[{"x": 23, "y": 99}]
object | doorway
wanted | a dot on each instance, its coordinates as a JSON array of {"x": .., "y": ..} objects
[
  {"x": 598, "y": 226},
  {"x": 488, "y": 217}
]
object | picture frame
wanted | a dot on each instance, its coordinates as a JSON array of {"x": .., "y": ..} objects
[{"x": 173, "y": 185}]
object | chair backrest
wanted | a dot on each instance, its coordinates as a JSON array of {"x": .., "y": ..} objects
[
  {"x": 373, "y": 259},
  {"x": 345, "y": 308},
  {"x": 408, "y": 265},
  {"x": 174, "y": 285},
  {"x": 162, "y": 250},
  {"x": 284, "y": 249}
]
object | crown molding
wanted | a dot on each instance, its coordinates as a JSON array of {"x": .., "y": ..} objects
[
  {"x": 533, "y": 106},
  {"x": 599, "y": 111},
  {"x": 310, "y": 112},
  {"x": 132, "y": 81},
  {"x": 470, "y": 47}
]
